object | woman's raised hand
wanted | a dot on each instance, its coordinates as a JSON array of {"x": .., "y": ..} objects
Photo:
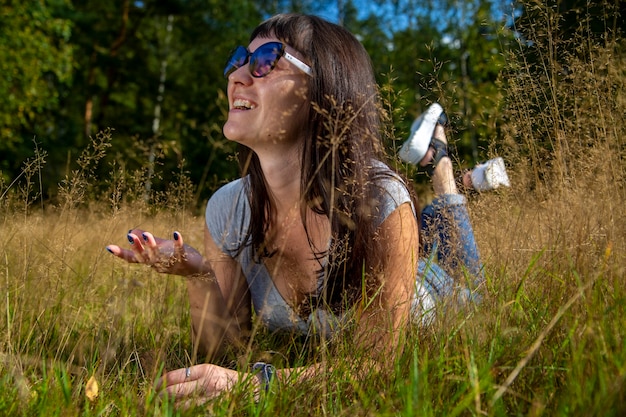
[{"x": 164, "y": 255}]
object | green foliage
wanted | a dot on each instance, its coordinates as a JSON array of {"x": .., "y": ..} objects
[
  {"x": 36, "y": 62},
  {"x": 452, "y": 53},
  {"x": 152, "y": 72}
]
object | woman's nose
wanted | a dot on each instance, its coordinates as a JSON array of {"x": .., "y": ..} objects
[{"x": 241, "y": 75}]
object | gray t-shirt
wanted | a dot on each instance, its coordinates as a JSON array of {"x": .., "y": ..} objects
[{"x": 228, "y": 219}]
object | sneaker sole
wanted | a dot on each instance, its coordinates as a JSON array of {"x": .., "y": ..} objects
[{"x": 422, "y": 129}]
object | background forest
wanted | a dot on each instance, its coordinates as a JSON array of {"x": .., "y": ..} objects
[
  {"x": 151, "y": 71},
  {"x": 110, "y": 118}
]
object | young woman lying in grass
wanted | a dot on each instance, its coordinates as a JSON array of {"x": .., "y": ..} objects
[{"x": 319, "y": 231}]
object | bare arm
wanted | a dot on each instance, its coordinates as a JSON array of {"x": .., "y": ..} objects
[
  {"x": 220, "y": 306},
  {"x": 385, "y": 314}
]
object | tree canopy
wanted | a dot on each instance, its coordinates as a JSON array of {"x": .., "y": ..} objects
[{"x": 151, "y": 71}]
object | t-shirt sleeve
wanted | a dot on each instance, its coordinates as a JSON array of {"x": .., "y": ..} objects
[
  {"x": 227, "y": 216},
  {"x": 393, "y": 193}
]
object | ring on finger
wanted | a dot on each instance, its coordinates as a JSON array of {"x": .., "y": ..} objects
[{"x": 187, "y": 373}]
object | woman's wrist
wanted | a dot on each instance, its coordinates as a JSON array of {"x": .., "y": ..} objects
[
  {"x": 208, "y": 276},
  {"x": 203, "y": 272},
  {"x": 265, "y": 374}
]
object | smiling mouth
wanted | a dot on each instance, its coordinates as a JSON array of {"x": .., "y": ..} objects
[{"x": 241, "y": 104}]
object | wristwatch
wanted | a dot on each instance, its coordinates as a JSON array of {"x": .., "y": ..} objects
[{"x": 265, "y": 373}]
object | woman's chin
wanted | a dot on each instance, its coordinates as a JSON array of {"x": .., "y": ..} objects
[{"x": 231, "y": 133}]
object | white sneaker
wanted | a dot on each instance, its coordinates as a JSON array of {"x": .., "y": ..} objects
[
  {"x": 422, "y": 129},
  {"x": 490, "y": 175}
]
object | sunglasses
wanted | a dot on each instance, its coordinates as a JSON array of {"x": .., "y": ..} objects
[{"x": 263, "y": 60}]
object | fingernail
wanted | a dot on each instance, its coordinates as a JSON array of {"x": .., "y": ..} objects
[
  {"x": 176, "y": 236},
  {"x": 109, "y": 249},
  {"x": 144, "y": 236},
  {"x": 130, "y": 239}
]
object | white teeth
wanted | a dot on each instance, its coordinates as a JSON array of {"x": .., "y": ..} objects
[{"x": 243, "y": 104}]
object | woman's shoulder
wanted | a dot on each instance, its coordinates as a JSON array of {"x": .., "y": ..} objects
[
  {"x": 230, "y": 199},
  {"x": 228, "y": 214},
  {"x": 388, "y": 180},
  {"x": 228, "y": 191},
  {"x": 391, "y": 189}
]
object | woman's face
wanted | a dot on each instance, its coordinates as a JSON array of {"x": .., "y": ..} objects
[{"x": 268, "y": 111}]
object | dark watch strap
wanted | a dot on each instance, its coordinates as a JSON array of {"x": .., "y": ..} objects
[{"x": 265, "y": 373}]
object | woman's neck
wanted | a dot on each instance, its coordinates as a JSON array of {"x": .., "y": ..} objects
[{"x": 282, "y": 176}]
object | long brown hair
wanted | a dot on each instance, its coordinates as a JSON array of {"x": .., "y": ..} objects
[{"x": 342, "y": 142}]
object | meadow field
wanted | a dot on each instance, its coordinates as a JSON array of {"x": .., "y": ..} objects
[{"x": 548, "y": 337}]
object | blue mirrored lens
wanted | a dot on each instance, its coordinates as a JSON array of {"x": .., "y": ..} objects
[
  {"x": 262, "y": 60},
  {"x": 238, "y": 58}
]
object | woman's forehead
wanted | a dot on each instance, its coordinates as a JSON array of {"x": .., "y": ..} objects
[{"x": 258, "y": 41}]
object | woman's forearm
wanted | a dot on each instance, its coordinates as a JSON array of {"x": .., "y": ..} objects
[{"x": 212, "y": 322}]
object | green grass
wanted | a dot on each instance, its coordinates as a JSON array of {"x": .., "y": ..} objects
[{"x": 547, "y": 339}]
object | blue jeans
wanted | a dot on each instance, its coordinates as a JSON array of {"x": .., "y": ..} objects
[{"x": 451, "y": 262}]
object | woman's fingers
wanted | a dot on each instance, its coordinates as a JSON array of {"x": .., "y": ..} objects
[
  {"x": 125, "y": 254},
  {"x": 184, "y": 390},
  {"x": 167, "y": 256},
  {"x": 136, "y": 245},
  {"x": 182, "y": 382},
  {"x": 150, "y": 248},
  {"x": 149, "y": 239},
  {"x": 144, "y": 248},
  {"x": 178, "y": 376},
  {"x": 179, "y": 246},
  {"x": 196, "y": 384}
]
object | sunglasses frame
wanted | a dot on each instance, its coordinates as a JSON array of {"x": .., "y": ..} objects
[{"x": 282, "y": 52}]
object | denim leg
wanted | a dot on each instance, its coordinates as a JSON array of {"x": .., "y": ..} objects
[
  {"x": 450, "y": 254},
  {"x": 434, "y": 279},
  {"x": 449, "y": 236}
]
